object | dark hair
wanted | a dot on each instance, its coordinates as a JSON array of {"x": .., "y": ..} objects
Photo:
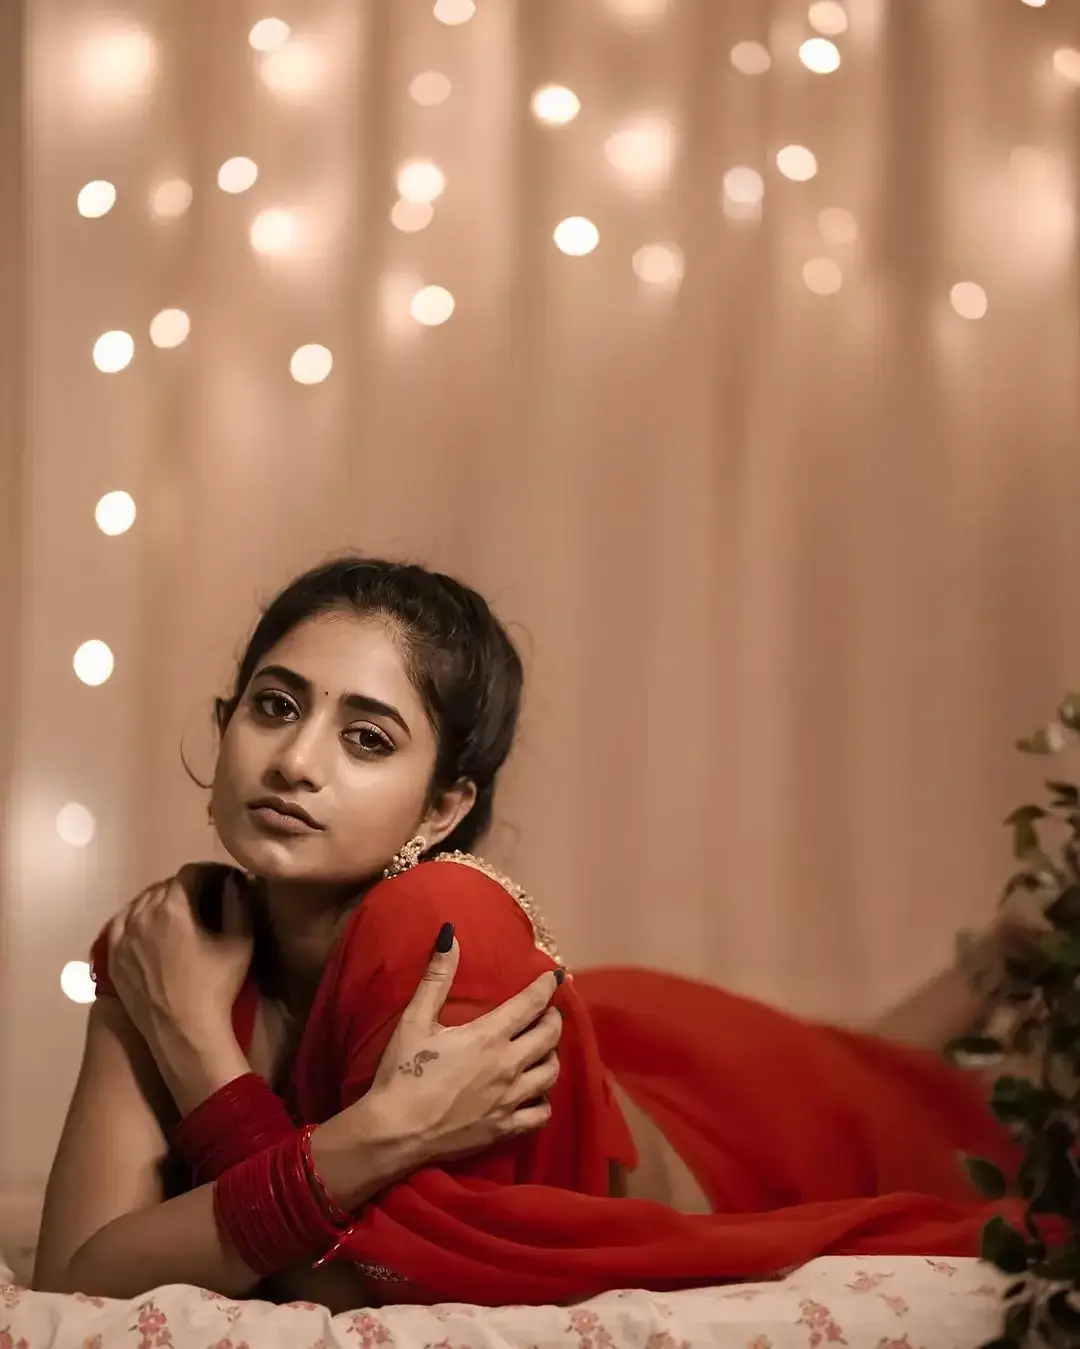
[{"x": 458, "y": 656}]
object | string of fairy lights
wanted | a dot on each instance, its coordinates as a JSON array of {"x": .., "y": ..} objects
[{"x": 641, "y": 152}]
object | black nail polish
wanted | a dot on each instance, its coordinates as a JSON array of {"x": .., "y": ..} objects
[
  {"x": 445, "y": 939},
  {"x": 560, "y": 975}
]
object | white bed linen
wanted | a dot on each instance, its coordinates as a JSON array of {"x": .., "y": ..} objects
[{"x": 910, "y": 1303}]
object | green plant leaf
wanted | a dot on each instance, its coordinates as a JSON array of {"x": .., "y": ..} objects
[
  {"x": 1014, "y": 1100},
  {"x": 1061, "y": 948},
  {"x": 987, "y": 1178},
  {"x": 1002, "y": 1246},
  {"x": 1068, "y": 1010},
  {"x": 975, "y": 1047},
  {"x": 1064, "y": 912},
  {"x": 1025, "y": 837},
  {"x": 1069, "y": 711},
  {"x": 1039, "y": 743},
  {"x": 1021, "y": 880},
  {"x": 1025, "y": 815}
]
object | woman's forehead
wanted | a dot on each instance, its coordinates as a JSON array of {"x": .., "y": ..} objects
[{"x": 344, "y": 653}]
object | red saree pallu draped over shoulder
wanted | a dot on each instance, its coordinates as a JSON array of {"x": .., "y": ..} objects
[{"x": 807, "y": 1140}]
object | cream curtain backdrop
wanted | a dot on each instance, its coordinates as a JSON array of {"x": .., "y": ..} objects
[{"x": 790, "y": 569}]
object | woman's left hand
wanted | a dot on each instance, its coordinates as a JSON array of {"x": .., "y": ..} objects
[{"x": 178, "y": 981}]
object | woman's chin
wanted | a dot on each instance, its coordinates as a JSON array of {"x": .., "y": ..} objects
[{"x": 273, "y": 859}]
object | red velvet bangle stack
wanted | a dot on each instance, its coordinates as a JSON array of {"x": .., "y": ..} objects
[
  {"x": 240, "y": 1120},
  {"x": 269, "y": 1209}
]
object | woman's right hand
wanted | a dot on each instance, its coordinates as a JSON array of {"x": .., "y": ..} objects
[{"x": 459, "y": 1089}]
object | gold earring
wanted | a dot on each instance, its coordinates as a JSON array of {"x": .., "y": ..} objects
[{"x": 406, "y": 857}]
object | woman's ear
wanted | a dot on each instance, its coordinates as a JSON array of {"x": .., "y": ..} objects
[{"x": 447, "y": 811}]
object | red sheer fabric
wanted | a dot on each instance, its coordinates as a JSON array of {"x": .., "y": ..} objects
[{"x": 808, "y": 1140}]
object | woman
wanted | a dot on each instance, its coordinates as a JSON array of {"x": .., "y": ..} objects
[{"x": 371, "y": 713}]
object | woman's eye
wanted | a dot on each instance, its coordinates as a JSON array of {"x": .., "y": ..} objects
[
  {"x": 276, "y": 706},
  {"x": 369, "y": 740}
]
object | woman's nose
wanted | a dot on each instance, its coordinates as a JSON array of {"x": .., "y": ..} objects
[{"x": 300, "y": 757}]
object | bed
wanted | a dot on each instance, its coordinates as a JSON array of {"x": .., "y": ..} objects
[{"x": 857, "y": 1303}]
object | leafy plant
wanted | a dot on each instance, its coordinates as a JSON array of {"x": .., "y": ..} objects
[{"x": 1041, "y": 1107}]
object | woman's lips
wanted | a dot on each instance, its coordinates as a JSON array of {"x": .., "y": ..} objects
[{"x": 274, "y": 821}]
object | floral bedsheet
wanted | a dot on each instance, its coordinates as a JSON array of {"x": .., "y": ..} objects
[{"x": 862, "y": 1303}]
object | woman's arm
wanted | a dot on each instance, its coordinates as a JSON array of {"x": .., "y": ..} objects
[
  {"x": 105, "y": 1229},
  {"x": 952, "y": 1004},
  {"x": 961, "y": 999},
  {"x": 112, "y": 1145},
  {"x": 180, "y": 1241}
]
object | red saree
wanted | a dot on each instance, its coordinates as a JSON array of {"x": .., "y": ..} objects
[{"x": 807, "y": 1140}]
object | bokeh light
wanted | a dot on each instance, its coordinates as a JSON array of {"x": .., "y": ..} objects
[
  {"x": 822, "y": 276},
  {"x": 642, "y": 152},
  {"x": 969, "y": 300},
  {"x": 297, "y": 68},
  {"x": 1067, "y": 64},
  {"x": 828, "y": 17},
  {"x": 113, "y": 351},
  {"x": 430, "y": 88},
  {"x": 75, "y": 825},
  {"x": 431, "y": 306},
  {"x": 576, "y": 236},
  {"x": 420, "y": 180},
  {"x": 268, "y": 35},
  {"x": 169, "y": 328},
  {"x": 411, "y": 216},
  {"x": 96, "y": 199},
  {"x": 454, "y": 12},
  {"x": 311, "y": 364},
  {"x": 238, "y": 174},
  {"x": 76, "y": 983},
  {"x": 273, "y": 231},
  {"x": 115, "y": 513},
  {"x": 659, "y": 265},
  {"x": 93, "y": 663},
  {"x": 797, "y": 163},
  {"x": 170, "y": 198},
  {"x": 837, "y": 226},
  {"x": 743, "y": 193},
  {"x": 555, "y": 105},
  {"x": 820, "y": 55},
  {"x": 750, "y": 58}
]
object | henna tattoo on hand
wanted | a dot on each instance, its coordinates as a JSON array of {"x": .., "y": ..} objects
[{"x": 415, "y": 1066}]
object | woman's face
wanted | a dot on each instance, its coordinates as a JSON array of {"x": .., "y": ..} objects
[{"x": 324, "y": 769}]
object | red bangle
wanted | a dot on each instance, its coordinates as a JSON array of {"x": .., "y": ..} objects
[
  {"x": 333, "y": 1210},
  {"x": 268, "y": 1209},
  {"x": 240, "y": 1120}
]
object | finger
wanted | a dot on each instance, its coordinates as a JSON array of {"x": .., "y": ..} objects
[
  {"x": 534, "y": 1084},
  {"x": 528, "y": 1118},
  {"x": 538, "y": 1041},
  {"x": 434, "y": 988},
  {"x": 143, "y": 905},
  {"x": 520, "y": 1011}
]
